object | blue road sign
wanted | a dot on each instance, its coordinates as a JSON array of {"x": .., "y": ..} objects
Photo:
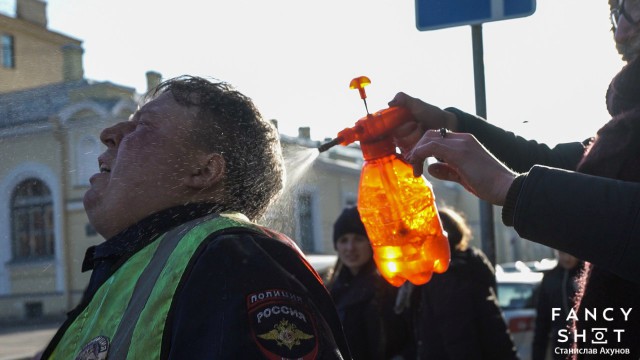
[{"x": 438, "y": 14}]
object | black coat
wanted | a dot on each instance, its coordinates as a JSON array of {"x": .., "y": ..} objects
[
  {"x": 557, "y": 290},
  {"x": 457, "y": 316},
  {"x": 365, "y": 306},
  {"x": 595, "y": 218}
]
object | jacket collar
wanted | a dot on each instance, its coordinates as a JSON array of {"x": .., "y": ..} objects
[{"x": 142, "y": 233}]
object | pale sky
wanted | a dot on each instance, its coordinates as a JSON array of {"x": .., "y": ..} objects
[{"x": 546, "y": 74}]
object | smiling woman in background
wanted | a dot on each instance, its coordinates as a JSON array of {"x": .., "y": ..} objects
[{"x": 363, "y": 298}]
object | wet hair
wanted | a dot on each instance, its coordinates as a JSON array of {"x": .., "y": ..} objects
[
  {"x": 458, "y": 231},
  {"x": 228, "y": 123}
]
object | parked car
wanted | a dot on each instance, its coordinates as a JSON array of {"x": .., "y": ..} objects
[
  {"x": 517, "y": 297},
  {"x": 526, "y": 266}
]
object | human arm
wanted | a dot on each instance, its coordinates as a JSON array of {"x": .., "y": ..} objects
[
  {"x": 515, "y": 151},
  {"x": 593, "y": 218}
]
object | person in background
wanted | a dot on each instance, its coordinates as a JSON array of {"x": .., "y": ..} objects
[
  {"x": 456, "y": 315},
  {"x": 185, "y": 271},
  {"x": 557, "y": 291},
  {"x": 591, "y": 213},
  {"x": 363, "y": 298}
]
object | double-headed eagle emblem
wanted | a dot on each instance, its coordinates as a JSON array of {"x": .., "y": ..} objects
[{"x": 286, "y": 334}]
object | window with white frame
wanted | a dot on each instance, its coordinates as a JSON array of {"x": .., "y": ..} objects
[{"x": 32, "y": 221}]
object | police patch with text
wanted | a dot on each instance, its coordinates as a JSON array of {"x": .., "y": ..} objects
[{"x": 282, "y": 325}]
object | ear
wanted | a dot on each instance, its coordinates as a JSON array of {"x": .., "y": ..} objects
[{"x": 208, "y": 171}]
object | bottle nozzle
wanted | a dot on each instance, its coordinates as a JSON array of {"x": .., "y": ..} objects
[{"x": 330, "y": 144}]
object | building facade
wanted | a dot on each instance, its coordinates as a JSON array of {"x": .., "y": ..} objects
[
  {"x": 50, "y": 121},
  {"x": 49, "y": 141},
  {"x": 32, "y": 55}
]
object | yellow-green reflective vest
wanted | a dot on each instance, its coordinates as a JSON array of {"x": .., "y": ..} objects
[{"x": 131, "y": 306}]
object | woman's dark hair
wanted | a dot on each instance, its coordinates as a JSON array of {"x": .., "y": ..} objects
[
  {"x": 457, "y": 229},
  {"x": 228, "y": 123}
]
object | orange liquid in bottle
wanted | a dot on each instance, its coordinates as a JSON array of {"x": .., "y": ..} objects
[{"x": 400, "y": 215}]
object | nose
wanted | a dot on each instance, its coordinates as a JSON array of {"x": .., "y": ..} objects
[
  {"x": 349, "y": 245},
  {"x": 112, "y": 135}
]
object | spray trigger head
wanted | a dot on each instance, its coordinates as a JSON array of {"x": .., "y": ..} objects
[{"x": 359, "y": 83}]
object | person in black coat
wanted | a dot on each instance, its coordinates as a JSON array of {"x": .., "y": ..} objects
[
  {"x": 579, "y": 197},
  {"x": 456, "y": 315},
  {"x": 557, "y": 291},
  {"x": 363, "y": 298}
]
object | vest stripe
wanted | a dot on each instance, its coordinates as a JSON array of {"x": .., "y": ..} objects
[{"x": 145, "y": 284}]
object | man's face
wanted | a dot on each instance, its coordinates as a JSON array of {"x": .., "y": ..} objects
[
  {"x": 627, "y": 33},
  {"x": 144, "y": 167}
]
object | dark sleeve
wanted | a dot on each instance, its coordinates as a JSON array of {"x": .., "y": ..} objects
[
  {"x": 485, "y": 273},
  {"x": 375, "y": 330},
  {"x": 236, "y": 300},
  {"x": 543, "y": 322},
  {"x": 516, "y": 152},
  {"x": 455, "y": 312},
  {"x": 397, "y": 330},
  {"x": 495, "y": 336},
  {"x": 593, "y": 218},
  {"x": 470, "y": 318}
]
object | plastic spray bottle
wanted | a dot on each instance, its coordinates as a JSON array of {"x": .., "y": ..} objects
[{"x": 398, "y": 210}]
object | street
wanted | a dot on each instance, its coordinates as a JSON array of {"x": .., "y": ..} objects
[{"x": 22, "y": 342}]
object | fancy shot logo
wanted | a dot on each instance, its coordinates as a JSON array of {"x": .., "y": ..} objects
[{"x": 594, "y": 340}]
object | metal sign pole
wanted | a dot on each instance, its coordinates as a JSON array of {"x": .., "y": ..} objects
[{"x": 487, "y": 231}]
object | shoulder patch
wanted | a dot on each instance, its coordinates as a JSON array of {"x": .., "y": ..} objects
[
  {"x": 95, "y": 349},
  {"x": 282, "y": 325}
]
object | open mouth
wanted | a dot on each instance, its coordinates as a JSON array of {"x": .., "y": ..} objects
[{"x": 104, "y": 168}]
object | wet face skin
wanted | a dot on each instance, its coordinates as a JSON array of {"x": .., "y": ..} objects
[
  {"x": 354, "y": 251},
  {"x": 150, "y": 164}
]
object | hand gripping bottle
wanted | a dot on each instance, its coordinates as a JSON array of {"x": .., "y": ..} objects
[{"x": 400, "y": 215}]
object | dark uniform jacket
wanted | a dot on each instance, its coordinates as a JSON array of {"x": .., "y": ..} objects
[{"x": 209, "y": 315}]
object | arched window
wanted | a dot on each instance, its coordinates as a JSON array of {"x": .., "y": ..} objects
[{"x": 32, "y": 221}]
